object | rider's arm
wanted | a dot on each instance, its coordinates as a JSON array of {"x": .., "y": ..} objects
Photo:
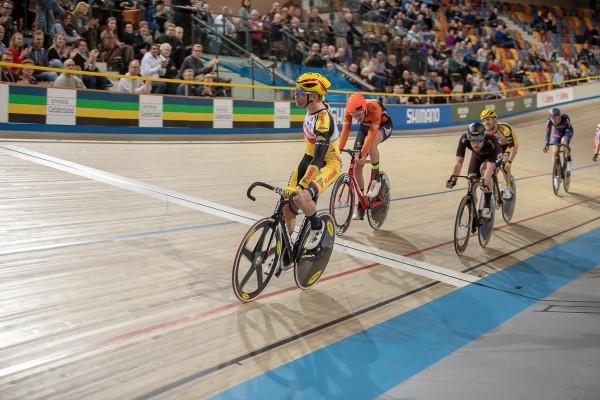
[
  {"x": 345, "y": 129},
  {"x": 548, "y": 129},
  {"x": 324, "y": 128},
  {"x": 512, "y": 144}
]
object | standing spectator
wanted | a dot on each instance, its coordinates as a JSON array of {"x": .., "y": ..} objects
[
  {"x": 112, "y": 45},
  {"x": 67, "y": 79},
  {"x": 224, "y": 23},
  {"x": 350, "y": 35},
  {"x": 314, "y": 59},
  {"x": 86, "y": 61},
  {"x": 46, "y": 13},
  {"x": 152, "y": 66},
  {"x": 182, "y": 16},
  {"x": 136, "y": 86},
  {"x": 86, "y": 27},
  {"x": 340, "y": 29}
]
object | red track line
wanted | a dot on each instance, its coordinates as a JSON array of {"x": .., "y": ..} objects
[{"x": 100, "y": 343}]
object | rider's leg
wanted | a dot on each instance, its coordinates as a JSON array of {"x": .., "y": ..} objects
[
  {"x": 374, "y": 156},
  {"x": 305, "y": 202},
  {"x": 565, "y": 140}
]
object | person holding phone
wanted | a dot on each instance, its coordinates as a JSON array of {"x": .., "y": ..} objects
[{"x": 86, "y": 27}]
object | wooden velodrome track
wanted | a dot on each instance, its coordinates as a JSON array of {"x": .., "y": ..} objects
[{"x": 116, "y": 258}]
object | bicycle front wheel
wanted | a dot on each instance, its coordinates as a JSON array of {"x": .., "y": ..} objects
[
  {"x": 341, "y": 203},
  {"x": 463, "y": 225},
  {"x": 508, "y": 206},
  {"x": 556, "y": 172},
  {"x": 486, "y": 226},
  {"x": 256, "y": 260},
  {"x": 376, "y": 214}
]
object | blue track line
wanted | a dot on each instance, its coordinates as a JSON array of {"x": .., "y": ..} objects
[{"x": 371, "y": 362}]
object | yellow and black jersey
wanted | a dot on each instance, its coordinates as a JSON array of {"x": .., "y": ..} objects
[{"x": 507, "y": 137}]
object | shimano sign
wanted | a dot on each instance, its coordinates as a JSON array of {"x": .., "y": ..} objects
[{"x": 423, "y": 115}]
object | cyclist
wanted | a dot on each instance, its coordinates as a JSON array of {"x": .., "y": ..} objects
[
  {"x": 597, "y": 144},
  {"x": 375, "y": 127},
  {"x": 485, "y": 157},
  {"x": 563, "y": 133},
  {"x": 508, "y": 142},
  {"x": 320, "y": 165}
]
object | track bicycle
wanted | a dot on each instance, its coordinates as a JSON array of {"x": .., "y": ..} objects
[
  {"x": 559, "y": 170},
  {"x": 268, "y": 249},
  {"x": 507, "y": 205},
  {"x": 468, "y": 217},
  {"x": 345, "y": 192}
]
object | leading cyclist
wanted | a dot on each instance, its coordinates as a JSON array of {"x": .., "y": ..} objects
[
  {"x": 596, "y": 144},
  {"x": 375, "y": 127},
  {"x": 563, "y": 133},
  {"x": 485, "y": 157},
  {"x": 320, "y": 165},
  {"x": 508, "y": 142}
]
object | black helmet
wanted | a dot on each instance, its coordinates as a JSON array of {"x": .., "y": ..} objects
[
  {"x": 555, "y": 112},
  {"x": 476, "y": 132}
]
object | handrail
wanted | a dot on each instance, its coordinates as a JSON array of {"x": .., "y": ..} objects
[{"x": 358, "y": 80}]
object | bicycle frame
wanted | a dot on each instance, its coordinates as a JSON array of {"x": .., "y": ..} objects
[{"x": 364, "y": 201}]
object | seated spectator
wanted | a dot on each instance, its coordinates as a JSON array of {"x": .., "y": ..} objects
[
  {"x": 65, "y": 26},
  {"x": 112, "y": 45},
  {"x": 398, "y": 90},
  {"x": 39, "y": 57},
  {"x": 59, "y": 52},
  {"x": 194, "y": 62},
  {"x": 142, "y": 40},
  {"x": 381, "y": 69},
  {"x": 67, "y": 79},
  {"x": 584, "y": 56},
  {"x": 414, "y": 98},
  {"x": 537, "y": 22},
  {"x": 136, "y": 86},
  {"x": 493, "y": 87},
  {"x": 258, "y": 43},
  {"x": 211, "y": 90},
  {"x": 2, "y": 45},
  {"x": 189, "y": 89},
  {"x": 152, "y": 66},
  {"x": 550, "y": 25},
  {"x": 492, "y": 19},
  {"x": 7, "y": 74},
  {"x": 558, "y": 79},
  {"x": 299, "y": 54},
  {"x": 503, "y": 38},
  {"x": 26, "y": 76},
  {"x": 433, "y": 87},
  {"x": 368, "y": 75},
  {"x": 468, "y": 88},
  {"x": 16, "y": 46},
  {"x": 170, "y": 71},
  {"x": 314, "y": 58},
  {"x": 86, "y": 61}
]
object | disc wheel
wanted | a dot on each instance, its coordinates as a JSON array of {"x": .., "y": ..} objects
[
  {"x": 341, "y": 203},
  {"x": 376, "y": 215},
  {"x": 257, "y": 259},
  {"x": 463, "y": 225}
]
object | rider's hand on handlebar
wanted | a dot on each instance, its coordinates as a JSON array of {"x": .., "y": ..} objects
[
  {"x": 545, "y": 150},
  {"x": 288, "y": 190},
  {"x": 450, "y": 183},
  {"x": 595, "y": 158},
  {"x": 360, "y": 159},
  {"x": 506, "y": 166}
]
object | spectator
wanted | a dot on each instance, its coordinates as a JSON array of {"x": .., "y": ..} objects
[
  {"x": 86, "y": 61},
  {"x": 65, "y": 26},
  {"x": 2, "y": 45},
  {"x": 26, "y": 74},
  {"x": 381, "y": 69},
  {"x": 59, "y": 52},
  {"x": 397, "y": 99},
  {"x": 152, "y": 66},
  {"x": 503, "y": 38},
  {"x": 584, "y": 55},
  {"x": 414, "y": 98},
  {"x": 6, "y": 20},
  {"x": 550, "y": 25},
  {"x": 299, "y": 54},
  {"x": 86, "y": 27},
  {"x": 136, "y": 86},
  {"x": 468, "y": 88},
  {"x": 314, "y": 59},
  {"x": 211, "y": 90},
  {"x": 257, "y": 40},
  {"x": 112, "y": 45},
  {"x": 351, "y": 34},
  {"x": 170, "y": 71},
  {"x": 46, "y": 12},
  {"x": 537, "y": 22},
  {"x": 494, "y": 88},
  {"x": 169, "y": 35},
  {"x": 39, "y": 57},
  {"x": 182, "y": 17},
  {"x": 195, "y": 63},
  {"x": 7, "y": 74},
  {"x": 224, "y": 23},
  {"x": 17, "y": 46},
  {"x": 142, "y": 40},
  {"x": 189, "y": 89},
  {"x": 68, "y": 79},
  {"x": 558, "y": 79}
]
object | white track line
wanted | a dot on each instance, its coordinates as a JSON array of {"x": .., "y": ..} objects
[{"x": 371, "y": 254}]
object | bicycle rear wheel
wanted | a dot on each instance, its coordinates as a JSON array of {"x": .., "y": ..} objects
[
  {"x": 556, "y": 172},
  {"x": 462, "y": 225},
  {"x": 256, "y": 260},
  {"x": 341, "y": 203},
  {"x": 311, "y": 264},
  {"x": 378, "y": 213},
  {"x": 566, "y": 177}
]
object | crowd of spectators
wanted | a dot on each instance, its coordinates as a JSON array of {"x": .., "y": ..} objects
[{"x": 400, "y": 48}]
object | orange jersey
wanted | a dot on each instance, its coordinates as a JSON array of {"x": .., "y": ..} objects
[{"x": 375, "y": 116}]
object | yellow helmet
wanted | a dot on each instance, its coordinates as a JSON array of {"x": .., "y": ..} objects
[
  {"x": 488, "y": 114},
  {"x": 312, "y": 82}
]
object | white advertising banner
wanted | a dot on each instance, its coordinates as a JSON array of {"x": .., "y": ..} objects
[
  {"x": 151, "y": 111},
  {"x": 223, "y": 113},
  {"x": 282, "y": 115},
  {"x": 60, "y": 106}
]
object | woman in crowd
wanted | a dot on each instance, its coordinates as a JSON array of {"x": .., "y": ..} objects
[{"x": 112, "y": 45}]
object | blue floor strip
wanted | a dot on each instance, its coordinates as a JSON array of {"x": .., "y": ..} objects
[{"x": 369, "y": 363}]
